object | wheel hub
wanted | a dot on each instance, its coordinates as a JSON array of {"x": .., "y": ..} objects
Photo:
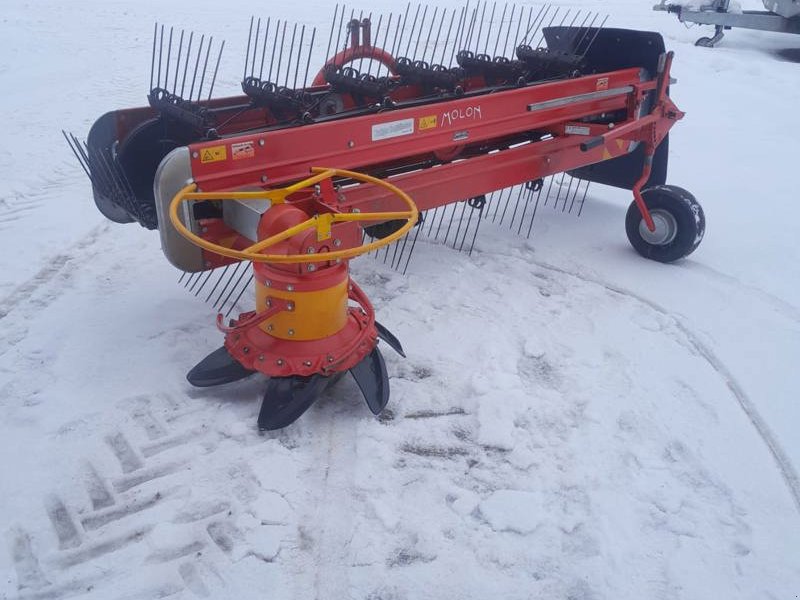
[{"x": 666, "y": 228}]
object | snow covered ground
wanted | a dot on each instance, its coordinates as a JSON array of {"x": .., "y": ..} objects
[{"x": 572, "y": 421}]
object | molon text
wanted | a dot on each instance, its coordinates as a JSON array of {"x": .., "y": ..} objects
[{"x": 470, "y": 113}]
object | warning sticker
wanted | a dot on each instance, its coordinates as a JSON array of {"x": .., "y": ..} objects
[
  {"x": 213, "y": 154},
  {"x": 427, "y": 122},
  {"x": 243, "y": 150},
  {"x": 392, "y": 129},
  {"x": 602, "y": 83}
]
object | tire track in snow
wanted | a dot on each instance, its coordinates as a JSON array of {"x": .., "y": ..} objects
[{"x": 782, "y": 460}]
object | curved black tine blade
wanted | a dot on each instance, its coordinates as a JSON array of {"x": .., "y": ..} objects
[
  {"x": 388, "y": 337},
  {"x": 287, "y": 398},
  {"x": 217, "y": 368},
  {"x": 373, "y": 380}
]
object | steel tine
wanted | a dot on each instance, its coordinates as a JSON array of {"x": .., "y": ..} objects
[
  {"x": 264, "y": 49},
  {"x": 585, "y": 191},
  {"x": 462, "y": 19},
  {"x": 596, "y": 33},
  {"x": 399, "y": 31},
  {"x": 199, "y": 278},
  {"x": 216, "y": 285},
  {"x": 99, "y": 178},
  {"x": 205, "y": 67},
  {"x": 308, "y": 60},
  {"x": 475, "y": 232},
  {"x": 216, "y": 69},
  {"x": 227, "y": 284},
  {"x": 527, "y": 194},
  {"x": 280, "y": 55},
  {"x": 510, "y": 26},
  {"x": 177, "y": 63},
  {"x": 382, "y": 46},
  {"x": 233, "y": 289},
  {"x": 169, "y": 58},
  {"x": 550, "y": 24},
  {"x": 160, "y": 53},
  {"x": 470, "y": 29},
  {"x": 516, "y": 208},
  {"x": 421, "y": 27},
  {"x": 466, "y": 228},
  {"x": 533, "y": 216},
  {"x": 559, "y": 190},
  {"x": 330, "y": 35},
  {"x": 500, "y": 29},
  {"x": 241, "y": 292},
  {"x": 586, "y": 33},
  {"x": 577, "y": 31},
  {"x": 441, "y": 221},
  {"x": 447, "y": 36},
  {"x": 373, "y": 35},
  {"x": 191, "y": 278},
  {"x": 196, "y": 65},
  {"x": 255, "y": 48},
  {"x": 411, "y": 34},
  {"x": 533, "y": 29},
  {"x": 566, "y": 197},
  {"x": 85, "y": 167},
  {"x": 460, "y": 222},
  {"x": 497, "y": 204},
  {"x": 184, "y": 274},
  {"x": 544, "y": 8},
  {"x": 480, "y": 28},
  {"x": 205, "y": 281},
  {"x": 274, "y": 46},
  {"x": 489, "y": 28},
  {"x": 186, "y": 63},
  {"x": 342, "y": 30},
  {"x": 411, "y": 251},
  {"x": 291, "y": 53},
  {"x": 489, "y": 201},
  {"x": 505, "y": 208},
  {"x": 450, "y": 223},
  {"x": 575, "y": 195},
  {"x": 515, "y": 43},
  {"x": 153, "y": 56},
  {"x": 402, "y": 248},
  {"x": 386, "y": 252},
  {"x": 430, "y": 33},
  {"x": 249, "y": 41}
]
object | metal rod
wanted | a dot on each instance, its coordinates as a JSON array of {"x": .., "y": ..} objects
[
  {"x": 196, "y": 66},
  {"x": 542, "y": 14},
  {"x": 241, "y": 292},
  {"x": 413, "y": 27},
  {"x": 419, "y": 35},
  {"x": 280, "y": 55},
  {"x": 274, "y": 46},
  {"x": 489, "y": 28},
  {"x": 299, "y": 57},
  {"x": 535, "y": 208},
  {"x": 480, "y": 29},
  {"x": 529, "y": 193},
  {"x": 383, "y": 45},
  {"x": 447, "y": 37},
  {"x": 430, "y": 33},
  {"x": 227, "y": 284},
  {"x": 205, "y": 67},
  {"x": 247, "y": 55},
  {"x": 186, "y": 64},
  {"x": 291, "y": 53},
  {"x": 330, "y": 35},
  {"x": 475, "y": 233},
  {"x": 580, "y": 210},
  {"x": 255, "y": 48},
  {"x": 308, "y": 61},
  {"x": 510, "y": 25},
  {"x": 178, "y": 64},
  {"x": 590, "y": 44},
  {"x": 264, "y": 49},
  {"x": 216, "y": 285},
  {"x": 153, "y": 56},
  {"x": 169, "y": 57},
  {"x": 160, "y": 52},
  {"x": 466, "y": 229},
  {"x": 411, "y": 251},
  {"x": 462, "y": 23},
  {"x": 216, "y": 69}
]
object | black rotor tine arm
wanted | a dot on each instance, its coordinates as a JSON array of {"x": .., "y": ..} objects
[
  {"x": 330, "y": 35},
  {"x": 308, "y": 60},
  {"x": 255, "y": 48},
  {"x": 264, "y": 49},
  {"x": 178, "y": 63},
  {"x": 216, "y": 69},
  {"x": 249, "y": 41},
  {"x": 196, "y": 66},
  {"x": 205, "y": 68},
  {"x": 186, "y": 63},
  {"x": 153, "y": 56},
  {"x": 291, "y": 54}
]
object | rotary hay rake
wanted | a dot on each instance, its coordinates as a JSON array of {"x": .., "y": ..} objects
[{"x": 427, "y": 122}]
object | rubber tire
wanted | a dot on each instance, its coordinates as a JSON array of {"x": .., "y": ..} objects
[{"x": 688, "y": 215}]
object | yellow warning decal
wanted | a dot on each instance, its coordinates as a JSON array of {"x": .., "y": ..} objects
[
  {"x": 213, "y": 154},
  {"x": 427, "y": 122}
]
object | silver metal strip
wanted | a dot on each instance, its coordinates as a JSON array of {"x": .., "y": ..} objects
[{"x": 580, "y": 98}]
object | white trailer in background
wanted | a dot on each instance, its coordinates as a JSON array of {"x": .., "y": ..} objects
[{"x": 781, "y": 16}]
